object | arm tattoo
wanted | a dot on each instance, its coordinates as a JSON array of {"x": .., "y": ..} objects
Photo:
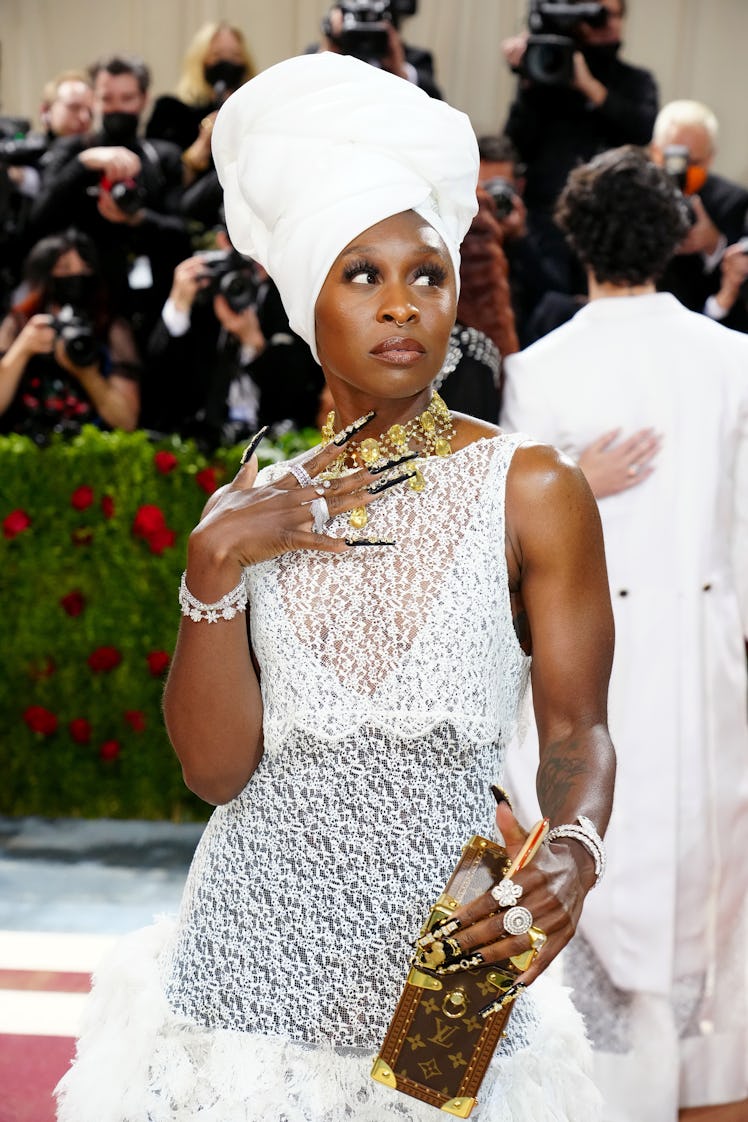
[{"x": 562, "y": 771}]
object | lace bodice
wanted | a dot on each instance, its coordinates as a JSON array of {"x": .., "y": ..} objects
[
  {"x": 404, "y": 637},
  {"x": 391, "y": 679}
]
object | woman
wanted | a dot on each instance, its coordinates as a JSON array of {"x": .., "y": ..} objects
[
  {"x": 349, "y": 757},
  {"x": 65, "y": 360},
  {"x": 216, "y": 63}
]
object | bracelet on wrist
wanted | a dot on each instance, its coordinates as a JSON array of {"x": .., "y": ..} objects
[
  {"x": 583, "y": 831},
  {"x": 227, "y": 607}
]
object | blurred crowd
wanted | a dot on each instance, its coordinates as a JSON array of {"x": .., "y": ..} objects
[{"x": 124, "y": 304}]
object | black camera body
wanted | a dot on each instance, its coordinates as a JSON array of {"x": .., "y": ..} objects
[
  {"x": 231, "y": 276},
  {"x": 77, "y": 336},
  {"x": 128, "y": 194},
  {"x": 24, "y": 151},
  {"x": 364, "y": 31},
  {"x": 502, "y": 193},
  {"x": 553, "y": 24}
]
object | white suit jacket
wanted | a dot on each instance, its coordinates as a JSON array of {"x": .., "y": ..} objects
[{"x": 677, "y": 554}]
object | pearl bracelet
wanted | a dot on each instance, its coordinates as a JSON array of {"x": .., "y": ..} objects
[
  {"x": 225, "y": 608},
  {"x": 586, "y": 834}
]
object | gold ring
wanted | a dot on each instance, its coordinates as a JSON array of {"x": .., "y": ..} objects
[{"x": 538, "y": 938}]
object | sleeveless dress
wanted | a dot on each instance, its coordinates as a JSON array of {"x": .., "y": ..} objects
[{"x": 391, "y": 680}]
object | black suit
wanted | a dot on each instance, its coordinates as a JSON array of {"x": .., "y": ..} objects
[
  {"x": 686, "y": 276},
  {"x": 189, "y": 376},
  {"x": 555, "y": 129},
  {"x": 66, "y": 199}
]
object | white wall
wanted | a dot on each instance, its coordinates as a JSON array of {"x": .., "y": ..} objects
[{"x": 697, "y": 48}]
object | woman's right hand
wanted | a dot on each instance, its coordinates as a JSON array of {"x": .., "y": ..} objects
[
  {"x": 611, "y": 467},
  {"x": 37, "y": 336},
  {"x": 243, "y": 524}
]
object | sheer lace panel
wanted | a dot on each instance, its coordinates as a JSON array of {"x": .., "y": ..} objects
[{"x": 408, "y": 635}]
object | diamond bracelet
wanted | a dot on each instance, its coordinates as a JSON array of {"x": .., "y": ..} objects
[
  {"x": 586, "y": 834},
  {"x": 225, "y": 608}
]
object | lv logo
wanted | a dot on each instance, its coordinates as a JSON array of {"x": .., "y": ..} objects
[{"x": 444, "y": 1033}]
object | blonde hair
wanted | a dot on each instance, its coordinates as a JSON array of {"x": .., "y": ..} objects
[
  {"x": 685, "y": 112},
  {"x": 52, "y": 87},
  {"x": 192, "y": 87}
]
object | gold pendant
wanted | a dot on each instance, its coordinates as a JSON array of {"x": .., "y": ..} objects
[
  {"x": 369, "y": 450},
  {"x": 416, "y": 481},
  {"x": 442, "y": 447},
  {"x": 358, "y": 518}
]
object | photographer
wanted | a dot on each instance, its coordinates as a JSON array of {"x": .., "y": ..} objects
[
  {"x": 222, "y": 358},
  {"x": 216, "y": 63},
  {"x": 370, "y": 30},
  {"x": 502, "y": 177},
  {"x": 65, "y": 360},
  {"x": 561, "y": 118},
  {"x": 711, "y": 264},
  {"x": 122, "y": 191}
]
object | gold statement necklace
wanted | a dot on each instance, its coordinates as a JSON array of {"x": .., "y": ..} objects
[{"x": 428, "y": 434}]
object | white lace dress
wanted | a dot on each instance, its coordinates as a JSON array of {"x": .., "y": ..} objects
[{"x": 391, "y": 680}]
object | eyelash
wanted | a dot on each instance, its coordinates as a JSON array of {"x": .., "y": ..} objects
[{"x": 437, "y": 274}]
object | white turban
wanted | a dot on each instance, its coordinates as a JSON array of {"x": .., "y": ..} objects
[{"x": 317, "y": 149}]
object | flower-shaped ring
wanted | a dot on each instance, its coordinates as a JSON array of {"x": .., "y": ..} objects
[{"x": 506, "y": 893}]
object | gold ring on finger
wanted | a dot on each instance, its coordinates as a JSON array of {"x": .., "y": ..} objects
[{"x": 538, "y": 938}]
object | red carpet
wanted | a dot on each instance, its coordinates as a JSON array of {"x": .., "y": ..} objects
[
  {"x": 32, "y": 1062},
  {"x": 30, "y": 1066}
]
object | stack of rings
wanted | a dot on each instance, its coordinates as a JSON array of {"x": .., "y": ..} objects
[
  {"x": 517, "y": 920},
  {"x": 318, "y": 507},
  {"x": 301, "y": 475}
]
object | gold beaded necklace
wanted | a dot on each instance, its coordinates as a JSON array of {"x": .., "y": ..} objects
[{"x": 432, "y": 431}]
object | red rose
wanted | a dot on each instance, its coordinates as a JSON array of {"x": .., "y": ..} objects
[
  {"x": 104, "y": 659},
  {"x": 40, "y": 720},
  {"x": 73, "y": 602},
  {"x": 158, "y": 662},
  {"x": 107, "y": 506},
  {"x": 109, "y": 750},
  {"x": 165, "y": 462},
  {"x": 15, "y": 523},
  {"x": 159, "y": 540},
  {"x": 135, "y": 719},
  {"x": 82, "y": 498},
  {"x": 207, "y": 480},
  {"x": 82, "y": 536},
  {"x": 147, "y": 519},
  {"x": 80, "y": 730}
]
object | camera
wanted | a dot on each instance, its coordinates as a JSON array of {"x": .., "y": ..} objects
[
  {"x": 675, "y": 161},
  {"x": 126, "y": 193},
  {"x": 231, "y": 276},
  {"x": 503, "y": 195},
  {"x": 24, "y": 151},
  {"x": 77, "y": 336},
  {"x": 553, "y": 24},
  {"x": 364, "y": 29}
]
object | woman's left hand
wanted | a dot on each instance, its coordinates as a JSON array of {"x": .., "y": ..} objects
[{"x": 553, "y": 893}]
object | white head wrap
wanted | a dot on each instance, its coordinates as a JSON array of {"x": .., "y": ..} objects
[{"x": 317, "y": 149}]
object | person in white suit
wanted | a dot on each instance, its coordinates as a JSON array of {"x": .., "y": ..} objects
[{"x": 660, "y": 960}]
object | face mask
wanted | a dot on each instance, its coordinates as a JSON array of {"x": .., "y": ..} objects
[
  {"x": 77, "y": 290},
  {"x": 229, "y": 75},
  {"x": 695, "y": 179},
  {"x": 120, "y": 128}
]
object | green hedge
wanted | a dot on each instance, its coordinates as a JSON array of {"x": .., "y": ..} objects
[{"x": 94, "y": 532}]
